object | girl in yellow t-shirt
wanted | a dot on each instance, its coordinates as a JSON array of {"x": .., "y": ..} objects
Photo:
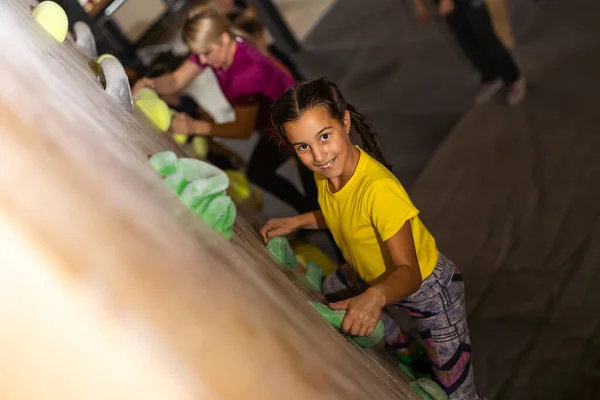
[{"x": 393, "y": 259}]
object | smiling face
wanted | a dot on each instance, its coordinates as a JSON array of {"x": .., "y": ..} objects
[{"x": 323, "y": 143}]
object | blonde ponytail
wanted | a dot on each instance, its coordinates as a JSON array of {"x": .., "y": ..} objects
[{"x": 204, "y": 27}]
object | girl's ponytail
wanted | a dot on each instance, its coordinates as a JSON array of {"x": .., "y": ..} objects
[{"x": 367, "y": 136}]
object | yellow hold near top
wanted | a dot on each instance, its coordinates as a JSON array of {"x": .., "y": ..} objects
[{"x": 53, "y": 19}]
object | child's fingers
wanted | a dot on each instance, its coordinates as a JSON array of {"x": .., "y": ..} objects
[
  {"x": 271, "y": 233},
  {"x": 340, "y": 305},
  {"x": 264, "y": 232},
  {"x": 364, "y": 330},
  {"x": 349, "y": 324},
  {"x": 264, "y": 236},
  {"x": 356, "y": 328},
  {"x": 269, "y": 230},
  {"x": 357, "y": 325},
  {"x": 369, "y": 329},
  {"x": 278, "y": 231}
]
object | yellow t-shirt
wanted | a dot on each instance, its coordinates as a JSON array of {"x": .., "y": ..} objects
[{"x": 367, "y": 211}]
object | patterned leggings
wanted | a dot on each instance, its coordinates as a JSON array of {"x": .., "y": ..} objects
[{"x": 439, "y": 309}]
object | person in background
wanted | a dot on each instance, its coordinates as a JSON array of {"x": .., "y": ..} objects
[
  {"x": 251, "y": 82},
  {"x": 242, "y": 14},
  {"x": 218, "y": 154},
  {"x": 471, "y": 24},
  {"x": 393, "y": 260},
  {"x": 256, "y": 32}
]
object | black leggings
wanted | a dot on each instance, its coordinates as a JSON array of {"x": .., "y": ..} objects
[
  {"x": 473, "y": 29},
  {"x": 267, "y": 157}
]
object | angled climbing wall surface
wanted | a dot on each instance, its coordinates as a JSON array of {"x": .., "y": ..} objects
[{"x": 110, "y": 287}]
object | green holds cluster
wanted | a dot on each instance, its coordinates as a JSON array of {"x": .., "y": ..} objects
[
  {"x": 280, "y": 247},
  {"x": 314, "y": 274},
  {"x": 420, "y": 379},
  {"x": 283, "y": 252},
  {"x": 201, "y": 186},
  {"x": 336, "y": 317},
  {"x": 428, "y": 389},
  {"x": 421, "y": 382}
]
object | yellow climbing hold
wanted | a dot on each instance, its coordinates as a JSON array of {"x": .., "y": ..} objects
[
  {"x": 53, "y": 19},
  {"x": 307, "y": 252},
  {"x": 200, "y": 146},
  {"x": 181, "y": 139},
  {"x": 103, "y": 57},
  {"x": 239, "y": 186},
  {"x": 256, "y": 199},
  {"x": 154, "y": 108}
]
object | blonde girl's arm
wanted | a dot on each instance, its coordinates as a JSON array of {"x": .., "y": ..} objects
[
  {"x": 241, "y": 128},
  {"x": 178, "y": 79},
  {"x": 172, "y": 82}
]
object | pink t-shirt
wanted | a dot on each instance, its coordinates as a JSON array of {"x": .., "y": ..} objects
[{"x": 252, "y": 78}]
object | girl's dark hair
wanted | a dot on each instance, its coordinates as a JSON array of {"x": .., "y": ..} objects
[{"x": 322, "y": 92}]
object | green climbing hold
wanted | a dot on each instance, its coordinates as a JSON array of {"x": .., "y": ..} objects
[
  {"x": 193, "y": 170},
  {"x": 219, "y": 212},
  {"x": 416, "y": 353},
  {"x": 408, "y": 371},
  {"x": 280, "y": 247},
  {"x": 433, "y": 390},
  {"x": 336, "y": 317},
  {"x": 199, "y": 192},
  {"x": 200, "y": 186},
  {"x": 314, "y": 274},
  {"x": 176, "y": 183},
  {"x": 418, "y": 390},
  {"x": 164, "y": 162}
]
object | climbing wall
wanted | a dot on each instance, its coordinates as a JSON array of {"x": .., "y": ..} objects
[{"x": 110, "y": 288}]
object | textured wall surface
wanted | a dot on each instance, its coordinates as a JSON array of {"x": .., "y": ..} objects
[{"x": 110, "y": 287}]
